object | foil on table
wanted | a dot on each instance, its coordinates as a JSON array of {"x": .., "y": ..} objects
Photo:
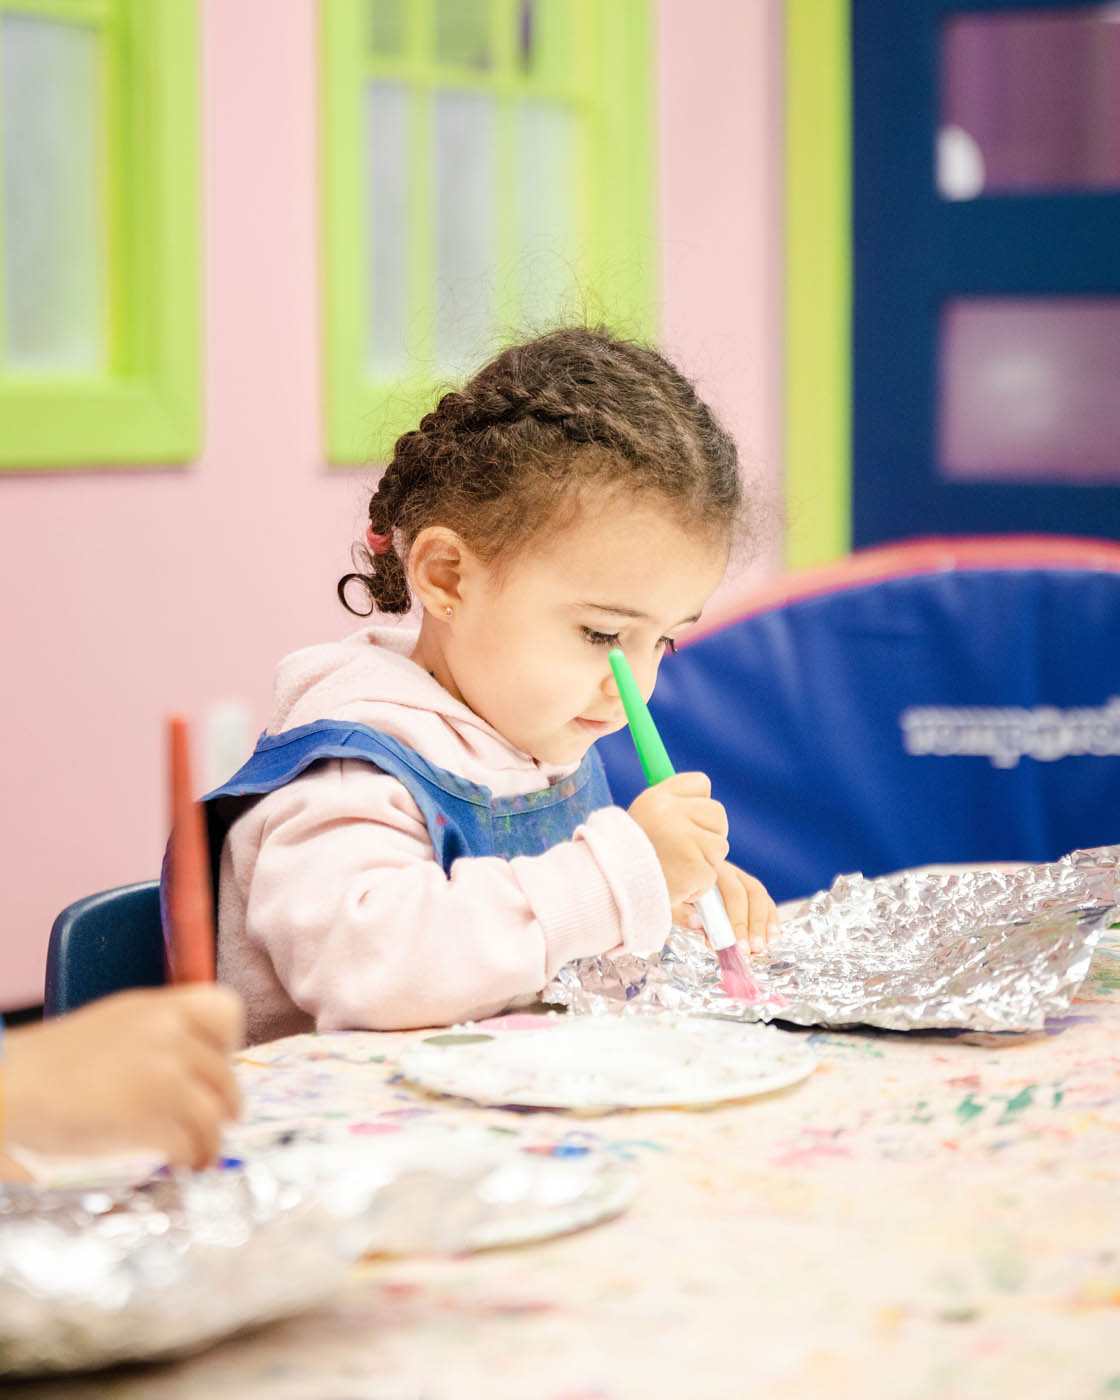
[
  {"x": 992, "y": 949},
  {"x": 120, "y": 1270},
  {"x": 97, "y": 1274}
]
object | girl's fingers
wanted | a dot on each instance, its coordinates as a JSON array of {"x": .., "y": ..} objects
[
  {"x": 688, "y": 785},
  {"x": 708, "y": 816},
  {"x": 762, "y": 908},
  {"x": 734, "y": 898},
  {"x": 749, "y": 907},
  {"x": 752, "y": 912}
]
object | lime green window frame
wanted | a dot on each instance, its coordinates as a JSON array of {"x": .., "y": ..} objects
[
  {"x": 818, "y": 293},
  {"x": 136, "y": 396},
  {"x": 591, "y": 67}
]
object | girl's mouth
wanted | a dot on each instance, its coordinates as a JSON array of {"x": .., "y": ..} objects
[{"x": 595, "y": 726}]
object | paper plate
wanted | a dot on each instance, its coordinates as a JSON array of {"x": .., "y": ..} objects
[
  {"x": 467, "y": 1190},
  {"x": 457, "y": 1187},
  {"x": 592, "y": 1064}
]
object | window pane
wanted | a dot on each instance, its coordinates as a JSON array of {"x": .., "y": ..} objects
[
  {"x": 544, "y": 38},
  {"x": 546, "y": 215},
  {"x": 387, "y": 261},
  {"x": 466, "y": 245},
  {"x": 1029, "y": 390},
  {"x": 463, "y": 33},
  {"x": 386, "y": 27},
  {"x": 53, "y": 241},
  {"x": 1030, "y": 100}
]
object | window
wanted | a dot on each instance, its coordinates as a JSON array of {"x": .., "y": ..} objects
[
  {"x": 1030, "y": 101},
  {"x": 1028, "y": 390},
  {"x": 487, "y": 173},
  {"x": 99, "y": 281}
]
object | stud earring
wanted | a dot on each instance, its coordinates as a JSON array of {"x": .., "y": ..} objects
[{"x": 447, "y": 612}]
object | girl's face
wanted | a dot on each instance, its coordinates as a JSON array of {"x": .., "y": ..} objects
[{"x": 527, "y": 645}]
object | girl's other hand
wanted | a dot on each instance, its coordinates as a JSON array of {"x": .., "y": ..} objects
[
  {"x": 752, "y": 912},
  {"x": 142, "y": 1069},
  {"x": 688, "y": 831}
]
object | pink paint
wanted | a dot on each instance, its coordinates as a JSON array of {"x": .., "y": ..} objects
[
  {"x": 374, "y": 1129},
  {"x": 737, "y": 981}
]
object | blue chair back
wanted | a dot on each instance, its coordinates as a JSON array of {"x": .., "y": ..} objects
[
  {"x": 944, "y": 701},
  {"x": 104, "y": 943}
]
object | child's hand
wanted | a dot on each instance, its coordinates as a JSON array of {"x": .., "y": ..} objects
[
  {"x": 752, "y": 912},
  {"x": 142, "y": 1069},
  {"x": 688, "y": 829}
]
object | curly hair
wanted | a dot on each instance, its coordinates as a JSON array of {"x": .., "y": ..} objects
[{"x": 500, "y": 460}]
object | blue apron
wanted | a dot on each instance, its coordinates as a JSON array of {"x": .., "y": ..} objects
[{"x": 463, "y": 819}]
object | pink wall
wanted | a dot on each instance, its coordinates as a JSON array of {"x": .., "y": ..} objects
[
  {"x": 127, "y": 594},
  {"x": 720, "y": 213}
]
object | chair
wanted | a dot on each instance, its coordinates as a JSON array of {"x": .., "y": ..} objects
[
  {"x": 939, "y": 701},
  {"x": 104, "y": 943}
]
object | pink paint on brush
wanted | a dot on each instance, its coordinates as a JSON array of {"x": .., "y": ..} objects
[{"x": 737, "y": 980}]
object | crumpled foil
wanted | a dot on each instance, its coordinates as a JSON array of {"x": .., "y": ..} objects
[
  {"x": 94, "y": 1275},
  {"x": 981, "y": 949},
  {"x": 143, "y": 1270}
]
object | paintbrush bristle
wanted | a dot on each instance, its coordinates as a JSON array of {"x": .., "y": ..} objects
[{"x": 737, "y": 981}]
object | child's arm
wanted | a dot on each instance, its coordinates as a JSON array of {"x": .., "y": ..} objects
[
  {"x": 334, "y": 879},
  {"x": 142, "y": 1069}
]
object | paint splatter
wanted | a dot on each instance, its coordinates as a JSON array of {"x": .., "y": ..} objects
[
  {"x": 1022, "y": 1100},
  {"x": 456, "y": 1038},
  {"x": 968, "y": 1108}
]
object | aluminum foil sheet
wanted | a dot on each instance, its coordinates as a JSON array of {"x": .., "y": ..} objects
[
  {"x": 143, "y": 1270},
  {"x": 980, "y": 949},
  {"x": 94, "y": 1275}
]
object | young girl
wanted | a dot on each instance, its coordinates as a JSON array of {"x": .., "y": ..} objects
[{"x": 425, "y": 834}]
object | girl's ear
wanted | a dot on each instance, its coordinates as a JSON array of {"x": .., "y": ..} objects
[{"x": 439, "y": 565}]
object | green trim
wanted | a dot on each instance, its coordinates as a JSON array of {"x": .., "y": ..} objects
[
  {"x": 91, "y": 12},
  {"x": 818, "y": 243},
  {"x": 146, "y": 406},
  {"x": 610, "y": 96}
]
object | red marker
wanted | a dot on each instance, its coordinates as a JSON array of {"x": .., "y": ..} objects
[{"x": 190, "y": 904}]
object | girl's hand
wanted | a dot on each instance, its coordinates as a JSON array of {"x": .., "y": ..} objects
[
  {"x": 688, "y": 830},
  {"x": 142, "y": 1069},
  {"x": 752, "y": 912}
]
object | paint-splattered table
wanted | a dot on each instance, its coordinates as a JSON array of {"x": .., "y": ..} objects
[{"x": 928, "y": 1215}]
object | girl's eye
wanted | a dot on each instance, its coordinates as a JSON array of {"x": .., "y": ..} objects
[{"x": 610, "y": 639}]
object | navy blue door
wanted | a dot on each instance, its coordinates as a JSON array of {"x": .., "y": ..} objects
[{"x": 986, "y": 260}]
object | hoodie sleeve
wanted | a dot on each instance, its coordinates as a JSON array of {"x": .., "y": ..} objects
[{"x": 341, "y": 892}]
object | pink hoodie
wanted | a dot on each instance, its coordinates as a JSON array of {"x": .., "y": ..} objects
[{"x": 333, "y": 912}]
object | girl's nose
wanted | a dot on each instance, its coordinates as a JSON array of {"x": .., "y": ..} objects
[{"x": 644, "y": 669}]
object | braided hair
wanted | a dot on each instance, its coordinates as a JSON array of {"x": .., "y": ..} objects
[{"x": 502, "y": 459}]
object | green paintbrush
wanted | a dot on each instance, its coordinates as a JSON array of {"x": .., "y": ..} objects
[{"x": 737, "y": 981}]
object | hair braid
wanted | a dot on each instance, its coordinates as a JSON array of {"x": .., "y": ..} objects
[{"x": 497, "y": 459}]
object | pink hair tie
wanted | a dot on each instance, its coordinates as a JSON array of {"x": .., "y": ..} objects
[{"x": 378, "y": 544}]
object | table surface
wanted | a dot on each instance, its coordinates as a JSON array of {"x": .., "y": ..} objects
[{"x": 927, "y": 1215}]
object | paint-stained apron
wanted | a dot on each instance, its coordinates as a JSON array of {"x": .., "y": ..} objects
[{"x": 463, "y": 818}]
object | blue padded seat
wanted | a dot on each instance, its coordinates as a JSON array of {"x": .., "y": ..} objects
[
  {"x": 938, "y": 701},
  {"x": 104, "y": 943}
]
